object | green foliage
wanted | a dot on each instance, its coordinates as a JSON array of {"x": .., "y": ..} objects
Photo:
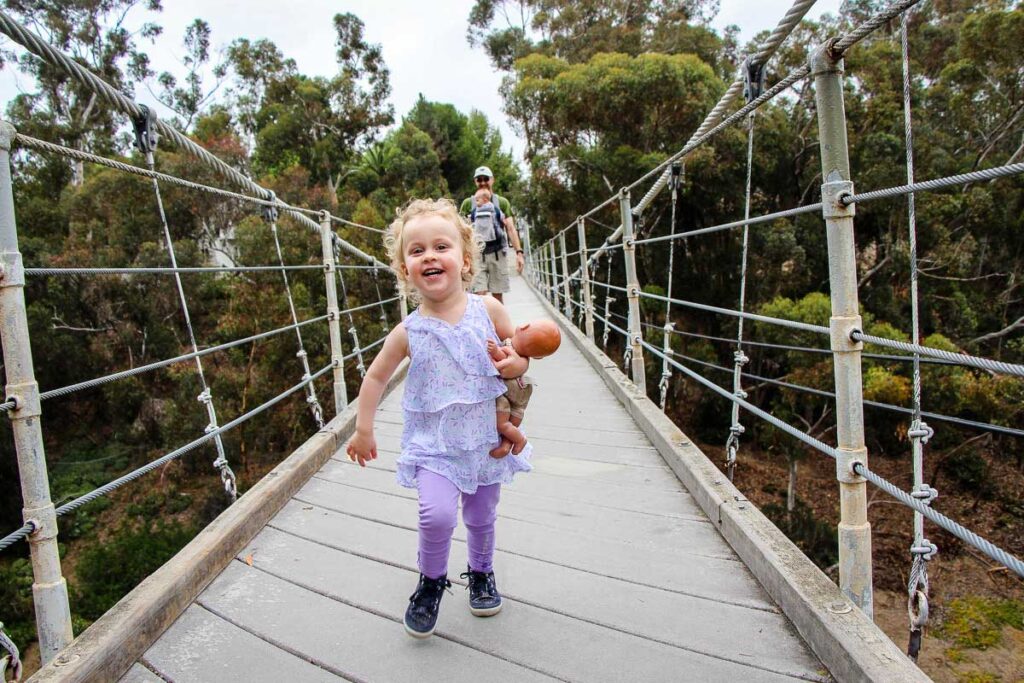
[
  {"x": 107, "y": 571},
  {"x": 817, "y": 539},
  {"x": 16, "y": 598},
  {"x": 977, "y": 623}
]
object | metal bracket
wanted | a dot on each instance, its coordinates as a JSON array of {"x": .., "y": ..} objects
[
  {"x": 841, "y": 329},
  {"x": 12, "y": 270},
  {"x": 846, "y": 458},
  {"x": 832, "y": 194},
  {"x": 44, "y": 519},
  {"x": 25, "y": 397},
  {"x": 270, "y": 210},
  {"x": 753, "y": 80},
  {"x": 146, "y": 135},
  {"x": 333, "y": 314},
  {"x": 676, "y": 176}
]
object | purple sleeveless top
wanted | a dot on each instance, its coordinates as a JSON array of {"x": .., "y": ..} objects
[{"x": 448, "y": 405}]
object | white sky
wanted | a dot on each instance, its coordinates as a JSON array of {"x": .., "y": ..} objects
[{"x": 424, "y": 43}]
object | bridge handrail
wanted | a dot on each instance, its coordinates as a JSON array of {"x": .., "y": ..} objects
[
  {"x": 31, "y": 526},
  {"x": 963, "y": 533},
  {"x": 551, "y": 273},
  {"x": 270, "y": 201}
]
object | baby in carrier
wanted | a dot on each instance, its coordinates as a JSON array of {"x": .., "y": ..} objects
[{"x": 487, "y": 220}]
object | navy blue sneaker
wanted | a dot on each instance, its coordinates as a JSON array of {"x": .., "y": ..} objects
[
  {"x": 484, "y": 598},
  {"x": 421, "y": 616}
]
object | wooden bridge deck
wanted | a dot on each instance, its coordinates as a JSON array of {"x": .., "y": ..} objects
[{"x": 610, "y": 571}]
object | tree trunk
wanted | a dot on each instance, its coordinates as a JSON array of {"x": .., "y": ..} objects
[{"x": 791, "y": 486}]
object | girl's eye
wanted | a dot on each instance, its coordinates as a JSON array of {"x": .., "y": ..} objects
[{"x": 442, "y": 247}]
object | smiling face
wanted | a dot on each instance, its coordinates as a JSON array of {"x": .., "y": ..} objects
[{"x": 433, "y": 258}]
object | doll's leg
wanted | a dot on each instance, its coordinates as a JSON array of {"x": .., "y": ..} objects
[
  {"x": 439, "y": 503},
  {"x": 512, "y": 440},
  {"x": 517, "y": 446}
]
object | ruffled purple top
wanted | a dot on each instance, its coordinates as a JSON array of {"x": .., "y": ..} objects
[{"x": 448, "y": 404}]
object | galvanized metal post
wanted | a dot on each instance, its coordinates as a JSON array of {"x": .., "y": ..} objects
[
  {"x": 632, "y": 293},
  {"x": 588, "y": 303},
  {"x": 854, "y": 529},
  {"x": 554, "y": 274},
  {"x": 49, "y": 590},
  {"x": 542, "y": 264},
  {"x": 566, "y": 289},
  {"x": 333, "y": 314}
]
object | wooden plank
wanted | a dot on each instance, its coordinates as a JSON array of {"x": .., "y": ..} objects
[
  {"x": 701, "y": 625},
  {"x": 381, "y": 477},
  {"x": 346, "y": 640},
  {"x": 201, "y": 647},
  {"x": 523, "y": 634}
]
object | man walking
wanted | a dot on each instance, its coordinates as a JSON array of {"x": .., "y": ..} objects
[{"x": 492, "y": 268}]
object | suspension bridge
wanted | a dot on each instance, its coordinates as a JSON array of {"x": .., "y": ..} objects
[{"x": 627, "y": 554}]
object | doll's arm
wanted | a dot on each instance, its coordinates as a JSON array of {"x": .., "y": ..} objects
[{"x": 513, "y": 365}]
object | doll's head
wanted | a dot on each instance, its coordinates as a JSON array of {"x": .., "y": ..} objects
[{"x": 537, "y": 339}]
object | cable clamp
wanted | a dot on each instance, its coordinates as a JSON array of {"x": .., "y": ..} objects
[
  {"x": 737, "y": 429},
  {"x": 740, "y": 358},
  {"x": 753, "y": 79},
  {"x": 270, "y": 210},
  {"x": 146, "y": 135},
  {"x": 927, "y": 550},
  {"x": 333, "y": 314},
  {"x": 205, "y": 396},
  {"x": 302, "y": 354},
  {"x": 924, "y": 493},
  {"x": 739, "y": 393},
  {"x": 675, "y": 176},
  {"x": 920, "y": 430}
]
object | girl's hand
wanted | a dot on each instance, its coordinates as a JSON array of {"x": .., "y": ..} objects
[
  {"x": 362, "y": 448},
  {"x": 512, "y": 366}
]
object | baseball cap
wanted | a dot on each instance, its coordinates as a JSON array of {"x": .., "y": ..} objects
[{"x": 483, "y": 170}]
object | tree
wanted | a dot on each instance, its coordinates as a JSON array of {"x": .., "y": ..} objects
[
  {"x": 188, "y": 100},
  {"x": 96, "y": 34},
  {"x": 318, "y": 123}
]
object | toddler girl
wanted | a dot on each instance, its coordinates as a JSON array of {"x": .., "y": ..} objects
[{"x": 448, "y": 405}]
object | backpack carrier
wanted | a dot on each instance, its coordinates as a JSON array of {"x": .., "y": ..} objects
[{"x": 489, "y": 224}]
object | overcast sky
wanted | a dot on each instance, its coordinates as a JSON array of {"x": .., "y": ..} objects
[{"x": 424, "y": 43}]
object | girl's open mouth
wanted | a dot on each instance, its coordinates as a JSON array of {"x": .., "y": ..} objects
[{"x": 432, "y": 271}]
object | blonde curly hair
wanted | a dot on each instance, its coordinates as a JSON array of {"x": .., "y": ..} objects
[{"x": 445, "y": 208}]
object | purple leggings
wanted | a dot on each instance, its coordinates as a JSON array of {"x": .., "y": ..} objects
[{"x": 439, "y": 510}]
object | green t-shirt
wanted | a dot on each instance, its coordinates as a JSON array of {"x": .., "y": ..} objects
[{"x": 467, "y": 206}]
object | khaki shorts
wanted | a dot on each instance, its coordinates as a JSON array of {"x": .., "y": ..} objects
[
  {"x": 491, "y": 274},
  {"x": 515, "y": 398}
]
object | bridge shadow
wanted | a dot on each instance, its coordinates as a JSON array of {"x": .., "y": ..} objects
[{"x": 610, "y": 569}]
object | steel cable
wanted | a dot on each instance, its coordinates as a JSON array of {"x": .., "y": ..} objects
[{"x": 173, "y": 455}]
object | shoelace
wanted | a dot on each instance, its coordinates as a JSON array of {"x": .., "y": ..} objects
[
  {"x": 431, "y": 590},
  {"x": 480, "y": 581}
]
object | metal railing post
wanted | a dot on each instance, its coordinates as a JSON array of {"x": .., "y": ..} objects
[
  {"x": 553, "y": 265},
  {"x": 542, "y": 266},
  {"x": 49, "y": 589},
  {"x": 588, "y": 303},
  {"x": 633, "y": 293},
  {"x": 334, "y": 315},
  {"x": 854, "y": 529},
  {"x": 566, "y": 289}
]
